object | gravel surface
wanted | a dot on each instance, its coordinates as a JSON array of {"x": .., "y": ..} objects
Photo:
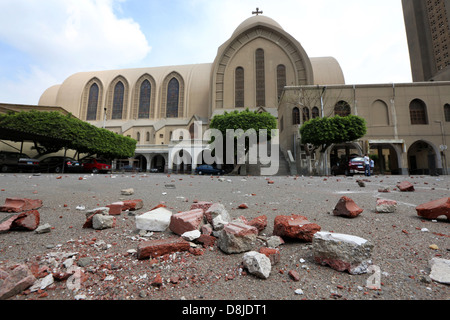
[{"x": 401, "y": 247}]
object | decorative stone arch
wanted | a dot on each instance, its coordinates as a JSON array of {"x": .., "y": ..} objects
[
  {"x": 293, "y": 49},
  {"x": 424, "y": 158},
  {"x": 110, "y": 97},
  {"x": 136, "y": 96},
  {"x": 85, "y": 98},
  {"x": 181, "y": 95},
  {"x": 380, "y": 113}
]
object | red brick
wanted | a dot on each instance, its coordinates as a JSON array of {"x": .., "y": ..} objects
[
  {"x": 26, "y": 221},
  {"x": 434, "y": 209},
  {"x": 272, "y": 253},
  {"x": 259, "y": 223},
  {"x": 240, "y": 229},
  {"x": 186, "y": 221},
  {"x": 132, "y": 205},
  {"x": 295, "y": 227},
  {"x": 20, "y": 205},
  {"x": 160, "y": 247},
  {"x": 347, "y": 207},
  {"x": 204, "y": 205},
  {"x": 405, "y": 186},
  {"x": 115, "y": 208}
]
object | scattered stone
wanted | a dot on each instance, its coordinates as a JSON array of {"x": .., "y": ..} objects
[
  {"x": 294, "y": 275},
  {"x": 157, "y": 281},
  {"x": 440, "y": 270},
  {"x": 6, "y": 222},
  {"x": 271, "y": 253},
  {"x": 342, "y": 252},
  {"x": 186, "y": 221},
  {"x": 127, "y": 192},
  {"x": 361, "y": 183},
  {"x": 434, "y": 209},
  {"x": 386, "y": 206},
  {"x": 257, "y": 264},
  {"x": 155, "y": 220},
  {"x": 405, "y": 186},
  {"x": 84, "y": 261},
  {"x": 191, "y": 235},
  {"x": 44, "y": 228},
  {"x": 91, "y": 213},
  {"x": 20, "y": 205},
  {"x": 384, "y": 190},
  {"x": 101, "y": 221},
  {"x": 434, "y": 247},
  {"x": 346, "y": 207},
  {"x": 237, "y": 237},
  {"x": 274, "y": 241},
  {"x": 206, "y": 240},
  {"x": 13, "y": 282},
  {"x": 243, "y": 206},
  {"x": 160, "y": 247},
  {"x": 298, "y": 291},
  {"x": 28, "y": 220},
  {"x": 206, "y": 229},
  {"x": 259, "y": 223},
  {"x": 217, "y": 216},
  {"x": 204, "y": 205},
  {"x": 41, "y": 284},
  {"x": 295, "y": 227},
  {"x": 132, "y": 205},
  {"x": 115, "y": 208}
]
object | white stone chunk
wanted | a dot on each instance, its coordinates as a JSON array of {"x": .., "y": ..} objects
[{"x": 155, "y": 220}]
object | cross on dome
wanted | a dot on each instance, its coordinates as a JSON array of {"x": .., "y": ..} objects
[{"x": 257, "y": 12}]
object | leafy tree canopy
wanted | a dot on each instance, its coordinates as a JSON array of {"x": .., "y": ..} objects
[
  {"x": 323, "y": 132},
  {"x": 244, "y": 120},
  {"x": 71, "y": 132}
]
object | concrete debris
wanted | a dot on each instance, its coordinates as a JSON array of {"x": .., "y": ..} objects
[
  {"x": 440, "y": 270},
  {"x": 342, "y": 252},
  {"x": 155, "y": 220},
  {"x": 257, "y": 264}
]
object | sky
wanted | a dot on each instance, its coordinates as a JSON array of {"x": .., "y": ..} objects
[{"x": 43, "y": 42}]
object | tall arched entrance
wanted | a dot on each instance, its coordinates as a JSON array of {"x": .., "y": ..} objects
[
  {"x": 158, "y": 163},
  {"x": 423, "y": 158}
]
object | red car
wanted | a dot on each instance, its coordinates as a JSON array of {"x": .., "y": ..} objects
[
  {"x": 94, "y": 166},
  {"x": 356, "y": 165}
]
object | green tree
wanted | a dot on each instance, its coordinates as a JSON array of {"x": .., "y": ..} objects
[
  {"x": 68, "y": 132},
  {"x": 321, "y": 133},
  {"x": 242, "y": 123}
]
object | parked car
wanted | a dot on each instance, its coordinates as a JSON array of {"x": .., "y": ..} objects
[
  {"x": 95, "y": 165},
  {"x": 130, "y": 168},
  {"x": 356, "y": 165},
  {"x": 55, "y": 164},
  {"x": 16, "y": 161},
  {"x": 207, "y": 169}
]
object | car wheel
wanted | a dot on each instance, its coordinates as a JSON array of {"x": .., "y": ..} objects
[
  {"x": 200, "y": 173},
  {"x": 58, "y": 170},
  {"x": 94, "y": 170},
  {"x": 4, "y": 168}
]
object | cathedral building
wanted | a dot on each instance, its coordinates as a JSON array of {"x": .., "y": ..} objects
[{"x": 262, "y": 67}]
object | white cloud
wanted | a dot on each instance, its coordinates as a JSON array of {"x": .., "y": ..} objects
[{"x": 64, "y": 37}]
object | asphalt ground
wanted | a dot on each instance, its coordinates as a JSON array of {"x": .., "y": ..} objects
[{"x": 401, "y": 244}]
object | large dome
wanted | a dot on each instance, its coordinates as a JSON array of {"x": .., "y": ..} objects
[{"x": 255, "y": 20}]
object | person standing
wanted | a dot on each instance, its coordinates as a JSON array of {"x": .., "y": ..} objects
[{"x": 366, "y": 165}]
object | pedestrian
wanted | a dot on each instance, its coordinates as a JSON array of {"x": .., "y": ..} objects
[
  {"x": 372, "y": 166},
  {"x": 366, "y": 165}
]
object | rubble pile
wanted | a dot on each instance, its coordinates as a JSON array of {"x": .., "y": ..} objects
[{"x": 205, "y": 226}]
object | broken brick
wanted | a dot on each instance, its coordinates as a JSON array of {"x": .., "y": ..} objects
[
  {"x": 186, "y": 221},
  {"x": 20, "y": 205},
  {"x": 295, "y": 227},
  {"x": 160, "y": 247},
  {"x": 347, "y": 207},
  {"x": 434, "y": 209}
]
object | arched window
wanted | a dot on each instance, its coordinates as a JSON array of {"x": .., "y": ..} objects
[
  {"x": 315, "y": 112},
  {"x": 418, "y": 112},
  {"x": 117, "y": 111},
  {"x": 295, "y": 116},
  {"x": 447, "y": 112},
  {"x": 138, "y": 137},
  {"x": 147, "y": 136},
  {"x": 239, "y": 88},
  {"x": 92, "y": 103},
  {"x": 281, "y": 79},
  {"x": 305, "y": 114},
  {"x": 342, "y": 108},
  {"x": 144, "y": 100},
  {"x": 173, "y": 97},
  {"x": 260, "y": 78}
]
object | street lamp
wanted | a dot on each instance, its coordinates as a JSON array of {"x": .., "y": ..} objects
[{"x": 444, "y": 146}]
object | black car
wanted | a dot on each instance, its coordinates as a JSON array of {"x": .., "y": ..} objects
[
  {"x": 207, "y": 169},
  {"x": 55, "y": 164},
  {"x": 16, "y": 161}
]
